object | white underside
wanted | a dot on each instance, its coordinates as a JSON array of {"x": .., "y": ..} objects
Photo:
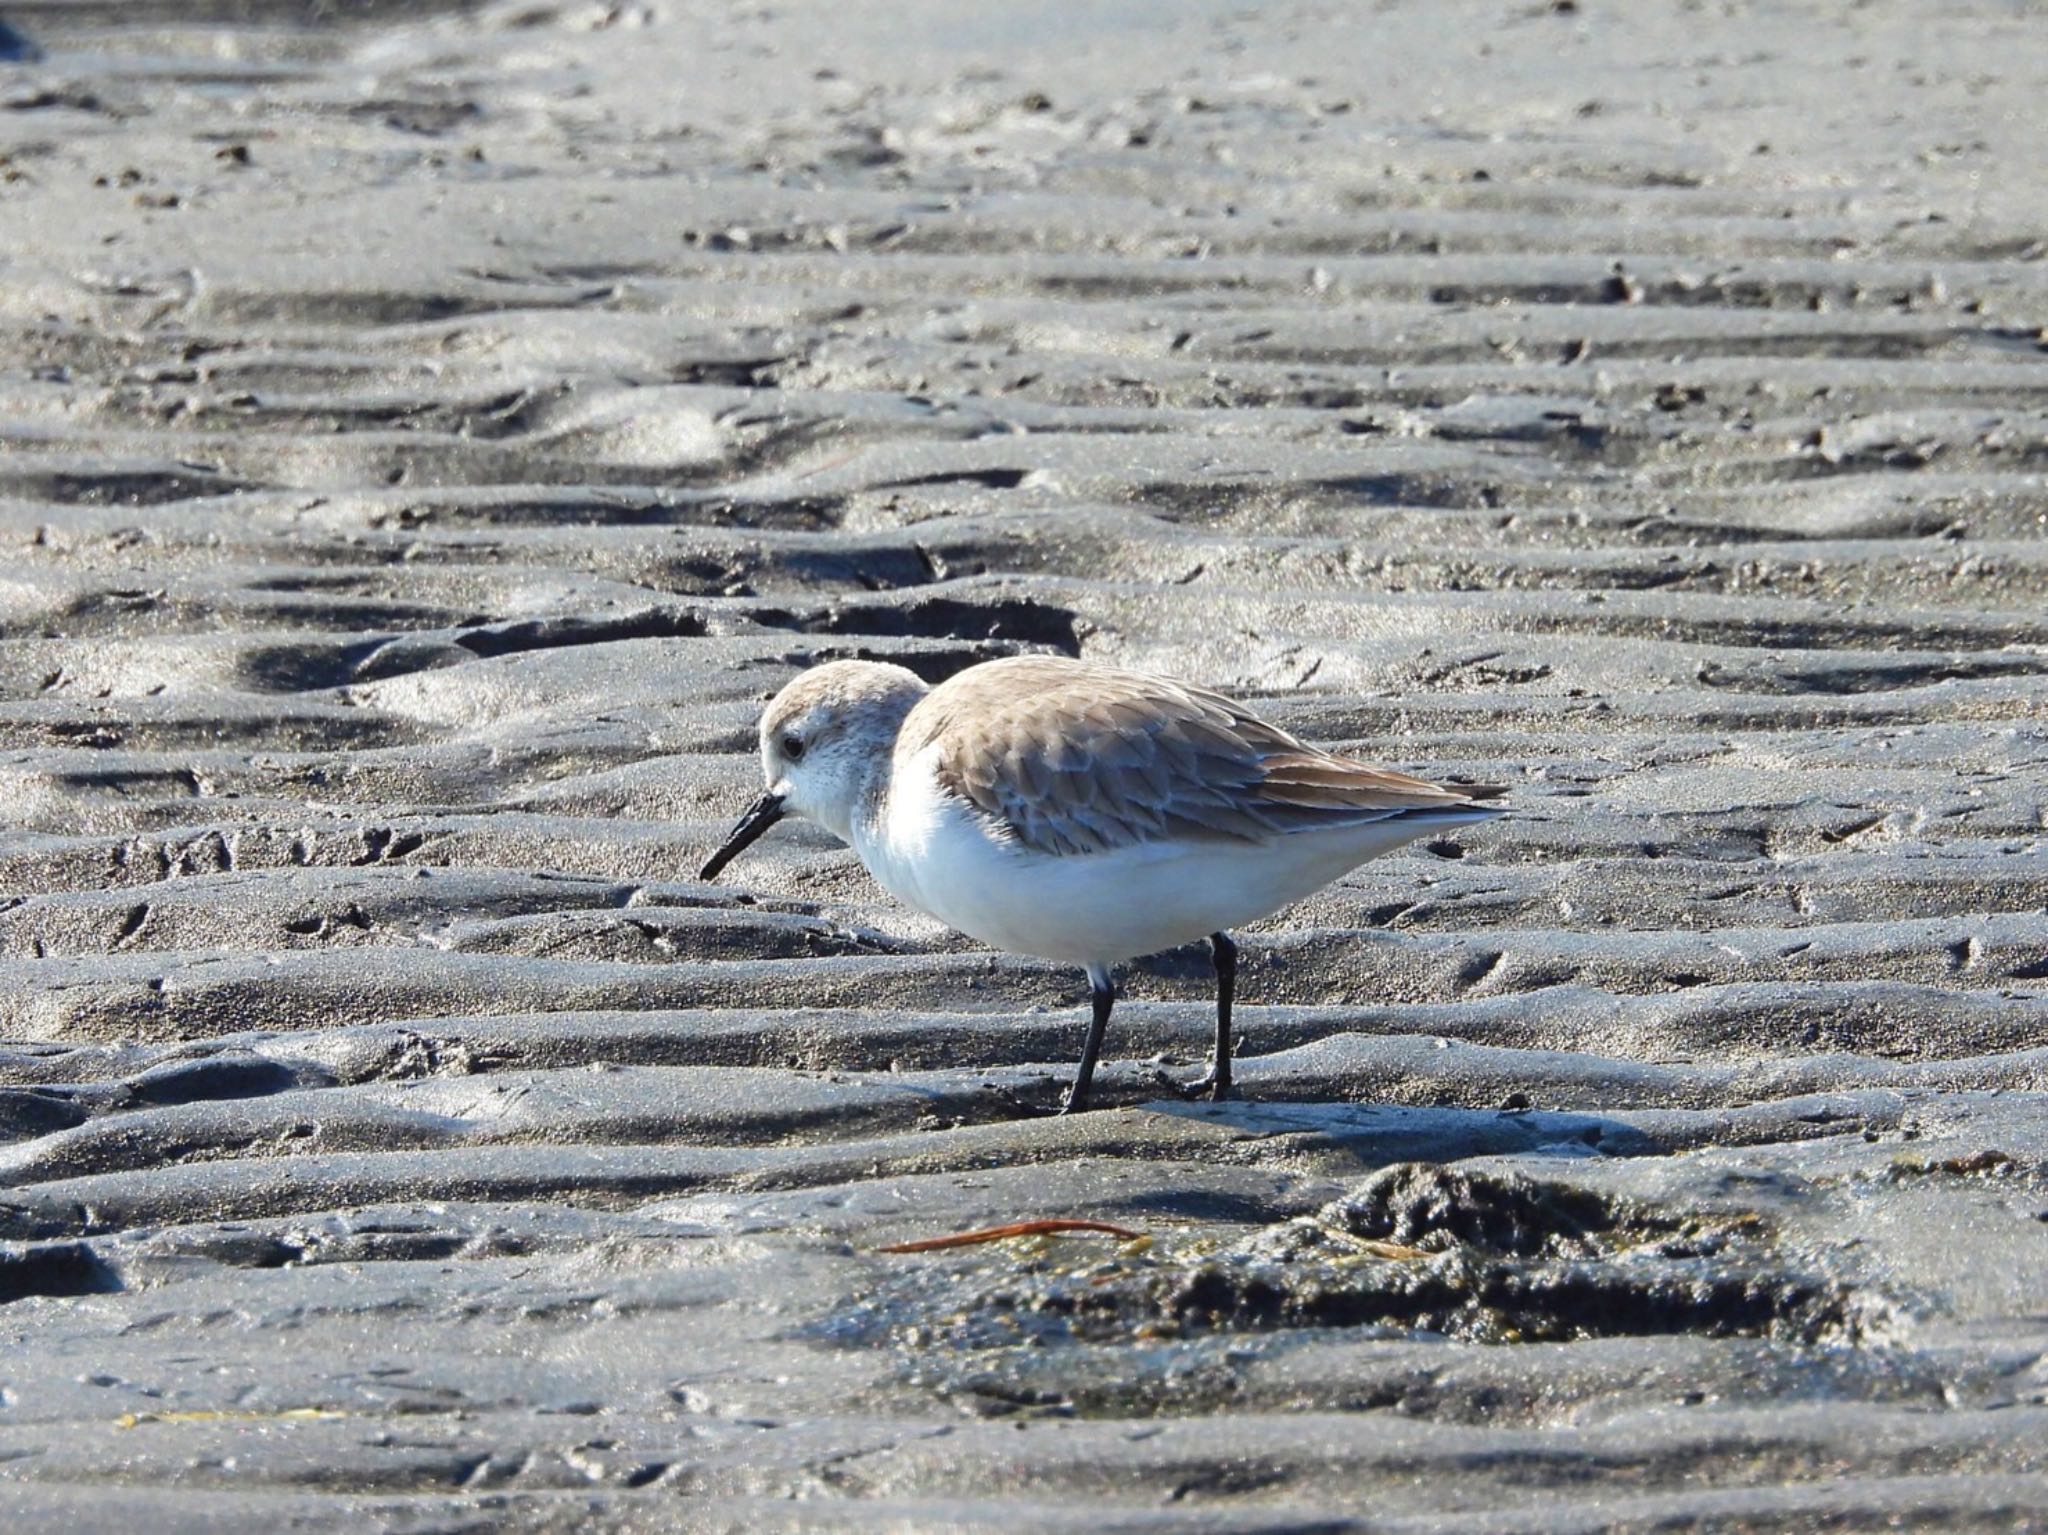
[{"x": 934, "y": 853}]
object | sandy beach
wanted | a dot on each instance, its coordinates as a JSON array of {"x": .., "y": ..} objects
[{"x": 429, "y": 432}]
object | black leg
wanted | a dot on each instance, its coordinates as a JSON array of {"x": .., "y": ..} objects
[
  {"x": 1103, "y": 997},
  {"x": 1224, "y": 952},
  {"x": 1217, "y": 1082}
]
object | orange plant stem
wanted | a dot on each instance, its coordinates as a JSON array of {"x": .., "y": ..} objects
[{"x": 1015, "y": 1229}]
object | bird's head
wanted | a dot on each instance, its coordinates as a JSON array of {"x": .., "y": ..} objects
[{"x": 823, "y": 738}]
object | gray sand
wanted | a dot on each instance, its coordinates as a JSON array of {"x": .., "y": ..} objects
[{"x": 428, "y": 433}]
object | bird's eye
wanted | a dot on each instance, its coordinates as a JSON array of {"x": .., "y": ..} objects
[{"x": 793, "y": 747}]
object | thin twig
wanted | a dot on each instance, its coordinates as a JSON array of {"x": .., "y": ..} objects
[{"x": 1015, "y": 1229}]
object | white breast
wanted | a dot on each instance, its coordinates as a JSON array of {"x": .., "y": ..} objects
[{"x": 932, "y": 851}]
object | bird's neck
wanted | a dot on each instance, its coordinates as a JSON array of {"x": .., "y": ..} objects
[
  {"x": 859, "y": 794},
  {"x": 870, "y": 801}
]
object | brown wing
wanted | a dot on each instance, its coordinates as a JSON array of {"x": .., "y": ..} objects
[{"x": 1074, "y": 758}]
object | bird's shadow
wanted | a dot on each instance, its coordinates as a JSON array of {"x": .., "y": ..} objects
[
  {"x": 1376, "y": 1133},
  {"x": 1379, "y": 1134}
]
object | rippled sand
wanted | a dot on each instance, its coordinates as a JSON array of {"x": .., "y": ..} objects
[{"x": 427, "y": 434}]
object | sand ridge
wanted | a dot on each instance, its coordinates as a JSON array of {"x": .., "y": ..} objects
[{"x": 427, "y": 435}]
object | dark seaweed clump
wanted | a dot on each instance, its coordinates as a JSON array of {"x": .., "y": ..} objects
[{"x": 1415, "y": 1250}]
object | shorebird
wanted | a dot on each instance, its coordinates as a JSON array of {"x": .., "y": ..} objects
[{"x": 1083, "y": 814}]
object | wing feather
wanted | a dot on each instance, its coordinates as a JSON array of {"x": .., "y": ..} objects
[{"x": 1074, "y": 758}]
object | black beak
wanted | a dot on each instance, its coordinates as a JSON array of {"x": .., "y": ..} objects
[{"x": 761, "y": 815}]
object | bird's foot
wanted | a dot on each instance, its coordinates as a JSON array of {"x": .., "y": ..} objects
[{"x": 1202, "y": 1087}]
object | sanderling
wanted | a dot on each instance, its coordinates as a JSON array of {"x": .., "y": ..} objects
[{"x": 1080, "y": 813}]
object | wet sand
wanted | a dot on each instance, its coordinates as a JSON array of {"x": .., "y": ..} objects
[{"x": 426, "y": 436}]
